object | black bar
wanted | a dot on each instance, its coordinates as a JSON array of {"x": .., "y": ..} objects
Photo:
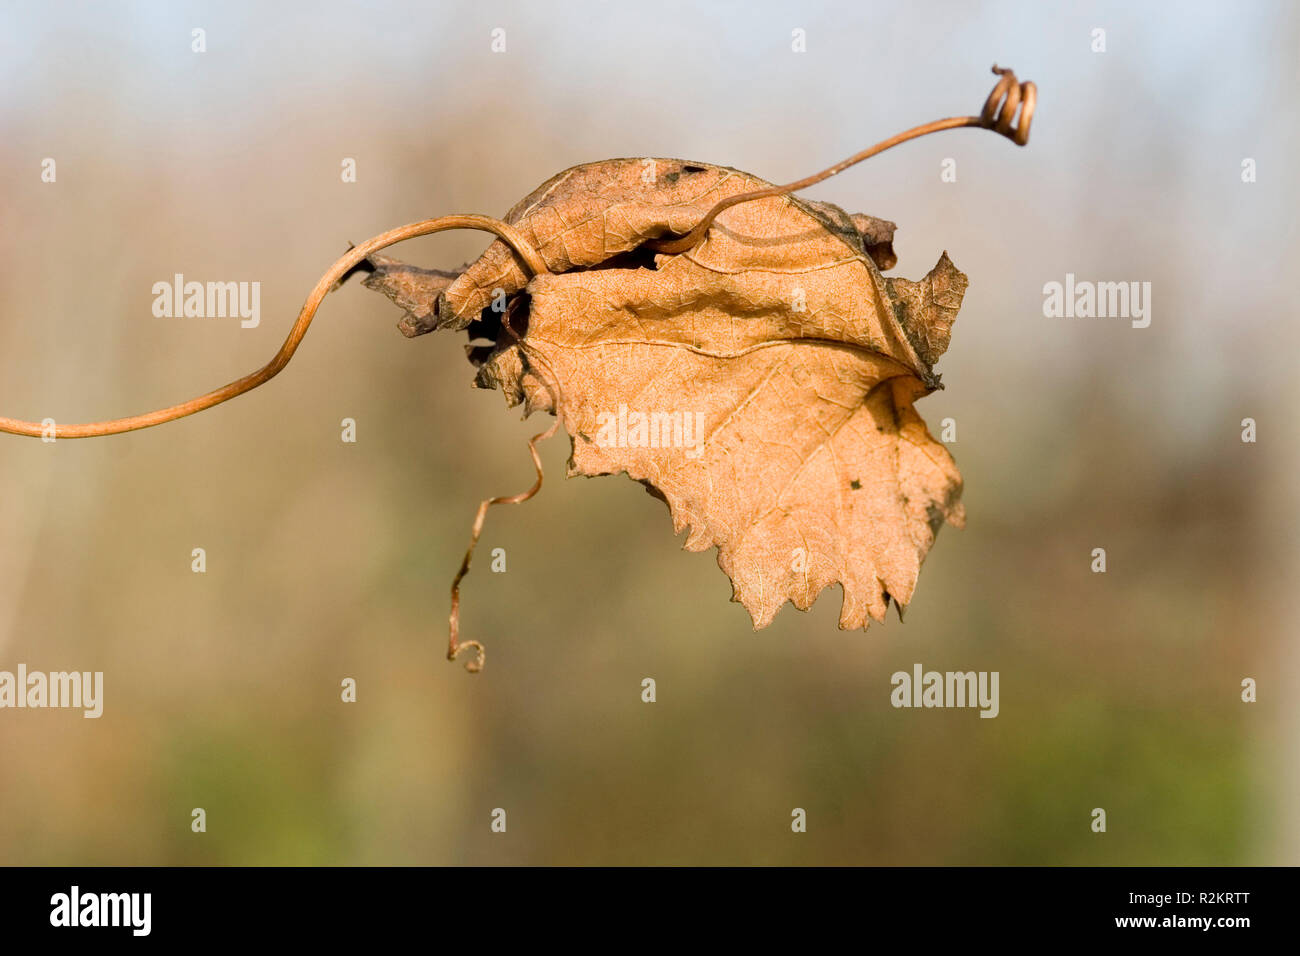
[{"x": 214, "y": 905}]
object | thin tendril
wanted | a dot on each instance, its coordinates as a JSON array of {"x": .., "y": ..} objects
[
  {"x": 454, "y": 644},
  {"x": 530, "y": 256},
  {"x": 999, "y": 115}
]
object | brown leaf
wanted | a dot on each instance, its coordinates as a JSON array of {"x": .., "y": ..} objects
[{"x": 762, "y": 383}]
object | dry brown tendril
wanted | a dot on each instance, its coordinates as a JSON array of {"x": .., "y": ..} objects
[{"x": 999, "y": 115}]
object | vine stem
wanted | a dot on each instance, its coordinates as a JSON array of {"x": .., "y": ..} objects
[
  {"x": 693, "y": 238},
  {"x": 999, "y": 114},
  {"x": 341, "y": 267}
]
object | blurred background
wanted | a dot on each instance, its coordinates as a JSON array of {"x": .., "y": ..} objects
[{"x": 328, "y": 560}]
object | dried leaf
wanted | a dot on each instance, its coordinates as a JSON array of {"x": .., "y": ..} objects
[{"x": 762, "y": 384}]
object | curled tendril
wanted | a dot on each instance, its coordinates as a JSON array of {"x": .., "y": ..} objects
[
  {"x": 999, "y": 113},
  {"x": 454, "y": 644}
]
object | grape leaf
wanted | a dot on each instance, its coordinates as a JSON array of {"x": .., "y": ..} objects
[{"x": 762, "y": 383}]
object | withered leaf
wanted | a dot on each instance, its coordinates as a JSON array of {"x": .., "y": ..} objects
[{"x": 762, "y": 384}]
